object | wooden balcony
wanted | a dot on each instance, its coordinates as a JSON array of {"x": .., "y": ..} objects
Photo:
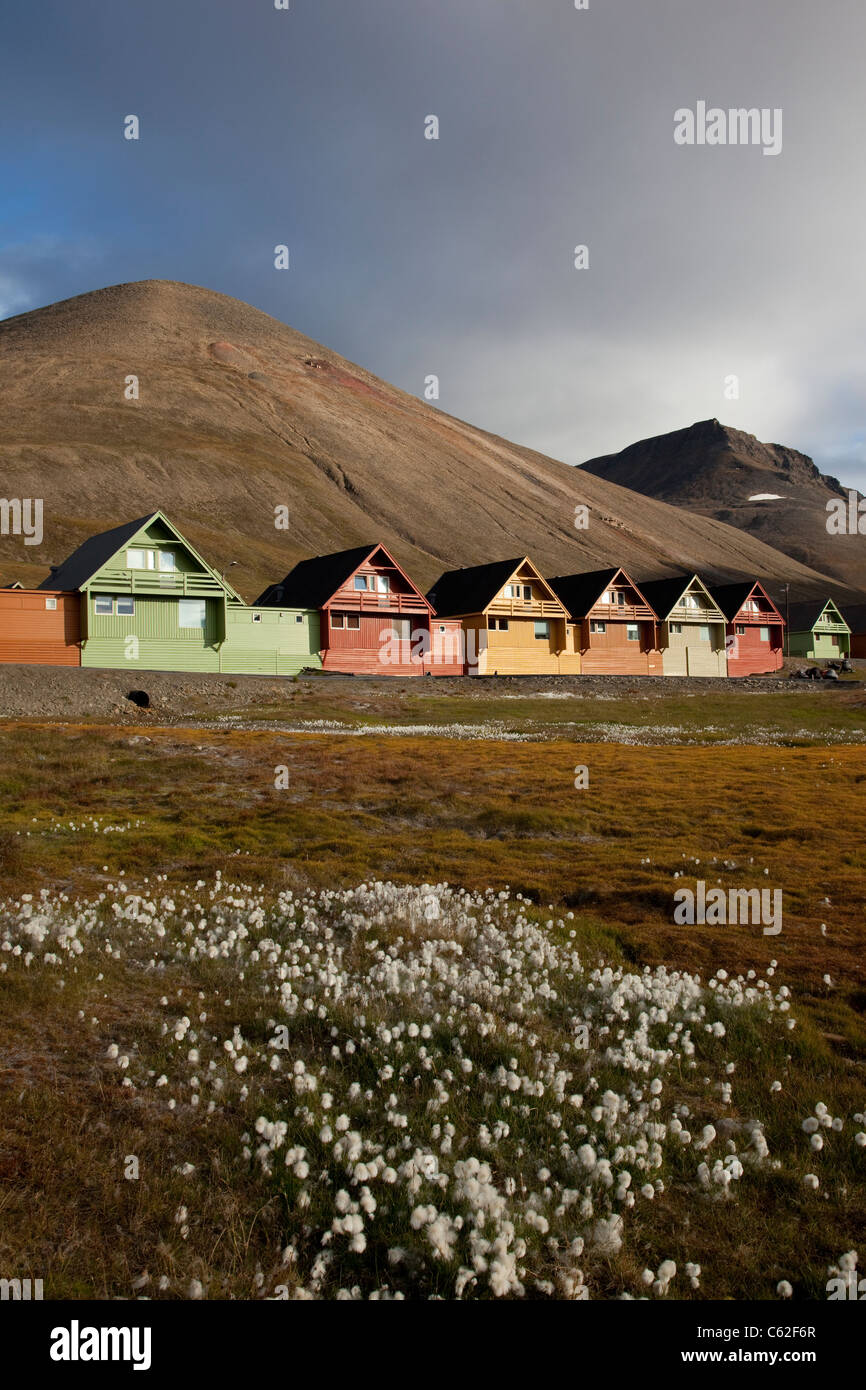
[
  {"x": 157, "y": 582},
  {"x": 626, "y": 612},
  {"x": 359, "y": 601},
  {"x": 525, "y": 608}
]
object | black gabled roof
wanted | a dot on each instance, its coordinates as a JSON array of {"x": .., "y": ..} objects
[
  {"x": 803, "y": 615},
  {"x": 92, "y": 554},
  {"x": 662, "y": 594},
  {"x": 580, "y": 592},
  {"x": 469, "y": 591},
  {"x": 731, "y": 597},
  {"x": 313, "y": 582}
]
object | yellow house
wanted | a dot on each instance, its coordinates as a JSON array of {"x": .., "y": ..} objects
[{"x": 513, "y": 623}]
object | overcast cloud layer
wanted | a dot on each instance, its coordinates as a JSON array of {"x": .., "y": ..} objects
[{"x": 455, "y": 257}]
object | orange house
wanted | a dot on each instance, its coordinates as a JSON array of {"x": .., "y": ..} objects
[
  {"x": 615, "y": 629},
  {"x": 40, "y": 627}
]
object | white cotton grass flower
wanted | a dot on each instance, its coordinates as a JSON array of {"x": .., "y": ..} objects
[
  {"x": 784, "y": 1289},
  {"x": 811, "y": 1181},
  {"x": 429, "y": 1077}
]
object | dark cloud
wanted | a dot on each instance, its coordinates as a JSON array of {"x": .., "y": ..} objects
[{"x": 455, "y": 256}]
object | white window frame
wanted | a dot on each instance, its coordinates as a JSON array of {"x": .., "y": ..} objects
[
  {"x": 632, "y": 628},
  {"x": 51, "y": 604}
]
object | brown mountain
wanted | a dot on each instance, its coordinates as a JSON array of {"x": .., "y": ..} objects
[
  {"x": 717, "y": 471},
  {"x": 239, "y": 414}
]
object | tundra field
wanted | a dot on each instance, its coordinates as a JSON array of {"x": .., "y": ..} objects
[{"x": 346, "y": 989}]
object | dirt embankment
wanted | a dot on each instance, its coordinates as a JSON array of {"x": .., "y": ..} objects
[{"x": 64, "y": 693}]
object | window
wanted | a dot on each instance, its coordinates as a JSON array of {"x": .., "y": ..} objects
[
  {"x": 542, "y": 629},
  {"x": 103, "y": 605},
  {"x": 383, "y": 583},
  {"x": 499, "y": 624},
  {"x": 704, "y": 632},
  {"x": 527, "y": 591},
  {"x": 764, "y": 634},
  {"x": 750, "y": 606},
  {"x": 139, "y": 558},
  {"x": 834, "y": 640},
  {"x": 607, "y": 596},
  {"x": 596, "y": 626},
  {"x": 632, "y": 632},
  {"x": 257, "y": 617},
  {"x": 192, "y": 612},
  {"x": 741, "y": 629},
  {"x": 620, "y": 598},
  {"x": 688, "y": 601},
  {"x": 360, "y": 581},
  {"x": 337, "y": 620},
  {"x": 676, "y": 629},
  {"x": 353, "y": 621},
  {"x": 124, "y": 606},
  {"x": 442, "y": 627},
  {"x": 299, "y": 617},
  {"x": 51, "y": 604}
]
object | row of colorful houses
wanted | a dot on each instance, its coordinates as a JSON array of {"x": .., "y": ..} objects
[{"x": 140, "y": 595}]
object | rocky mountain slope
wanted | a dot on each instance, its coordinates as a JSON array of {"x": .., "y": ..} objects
[
  {"x": 238, "y": 414},
  {"x": 771, "y": 492}
]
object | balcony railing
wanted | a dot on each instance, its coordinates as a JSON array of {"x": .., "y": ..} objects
[
  {"x": 608, "y": 612},
  {"x": 156, "y": 582},
  {"x": 525, "y": 608},
  {"x": 379, "y": 603}
]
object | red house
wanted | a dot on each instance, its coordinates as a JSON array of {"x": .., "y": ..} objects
[
  {"x": 374, "y": 621},
  {"x": 754, "y": 631},
  {"x": 615, "y": 628},
  {"x": 40, "y": 627}
]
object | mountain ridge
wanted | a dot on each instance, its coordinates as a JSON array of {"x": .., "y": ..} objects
[
  {"x": 770, "y": 491},
  {"x": 239, "y": 413}
]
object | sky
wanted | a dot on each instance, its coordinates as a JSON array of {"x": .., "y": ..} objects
[{"x": 455, "y": 257}]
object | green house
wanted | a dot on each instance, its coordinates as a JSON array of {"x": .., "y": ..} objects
[
  {"x": 817, "y": 629},
  {"x": 149, "y": 601}
]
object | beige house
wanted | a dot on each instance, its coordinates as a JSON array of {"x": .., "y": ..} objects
[{"x": 692, "y": 626}]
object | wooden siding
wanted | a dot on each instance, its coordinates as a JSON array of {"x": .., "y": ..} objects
[
  {"x": 35, "y": 635},
  {"x": 748, "y": 654},
  {"x": 447, "y": 650},
  {"x": 270, "y": 641},
  {"x": 613, "y": 653},
  {"x": 819, "y": 644},
  {"x": 686, "y": 653},
  {"x": 162, "y": 644},
  {"x": 518, "y": 652},
  {"x": 370, "y": 649}
]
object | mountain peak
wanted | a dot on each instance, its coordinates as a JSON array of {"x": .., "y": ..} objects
[{"x": 767, "y": 490}]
